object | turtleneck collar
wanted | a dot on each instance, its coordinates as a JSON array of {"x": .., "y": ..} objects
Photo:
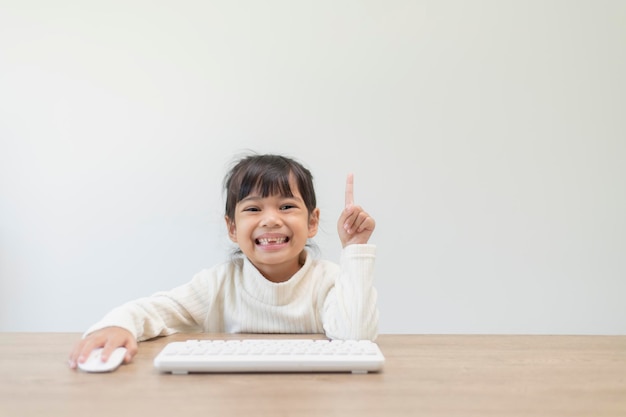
[{"x": 273, "y": 293}]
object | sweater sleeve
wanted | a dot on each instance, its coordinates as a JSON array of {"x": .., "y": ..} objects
[
  {"x": 183, "y": 309},
  {"x": 350, "y": 310}
]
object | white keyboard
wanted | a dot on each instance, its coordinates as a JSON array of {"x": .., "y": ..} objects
[{"x": 270, "y": 355}]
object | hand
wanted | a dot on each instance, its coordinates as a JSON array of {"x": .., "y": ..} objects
[
  {"x": 355, "y": 226},
  {"x": 110, "y": 338}
]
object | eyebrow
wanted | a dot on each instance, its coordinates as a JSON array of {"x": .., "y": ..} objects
[{"x": 257, "y": 197}]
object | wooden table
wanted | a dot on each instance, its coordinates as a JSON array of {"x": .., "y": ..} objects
[{"x": 423, "y": 376}]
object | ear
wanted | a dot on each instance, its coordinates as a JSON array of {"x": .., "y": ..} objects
[
  {"x": 232, "y": 229},
  {"x": 314, "y": 222}
]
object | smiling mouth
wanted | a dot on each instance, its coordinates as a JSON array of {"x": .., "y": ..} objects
[{"x": 265, "y": 241}]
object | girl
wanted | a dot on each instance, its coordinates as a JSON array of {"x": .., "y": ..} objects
[{"x": 273, "y": 284}]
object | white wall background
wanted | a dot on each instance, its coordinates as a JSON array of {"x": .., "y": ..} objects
[{"x": 488, "y": 139}]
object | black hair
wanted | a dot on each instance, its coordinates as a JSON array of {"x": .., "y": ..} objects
[{"x": 268, "y": 175}]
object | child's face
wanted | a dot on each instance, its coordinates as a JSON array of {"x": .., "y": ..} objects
[{"x": 273, "y": 231}]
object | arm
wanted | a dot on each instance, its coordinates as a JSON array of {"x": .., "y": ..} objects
[
  {"x": 181, "y": 309},
  {"x": 350, "y": 309}
]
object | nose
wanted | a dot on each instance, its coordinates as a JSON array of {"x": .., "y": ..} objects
[{"x": 271, "y": 218}]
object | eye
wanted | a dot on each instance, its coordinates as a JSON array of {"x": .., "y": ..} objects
[
  {"x": 288, "y": 206},
  {"x": 251, "y": 209}
]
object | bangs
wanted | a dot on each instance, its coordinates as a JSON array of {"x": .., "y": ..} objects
[{"x": 270, "y": 182}]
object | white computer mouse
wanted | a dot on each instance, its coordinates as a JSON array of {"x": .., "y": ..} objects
[{"x": 94, "y": 362}]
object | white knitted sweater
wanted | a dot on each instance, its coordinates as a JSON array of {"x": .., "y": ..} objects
[{"x": 233, "y": 297}]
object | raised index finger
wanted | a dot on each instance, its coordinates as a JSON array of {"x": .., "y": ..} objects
[{"x": 350, "y": 190}]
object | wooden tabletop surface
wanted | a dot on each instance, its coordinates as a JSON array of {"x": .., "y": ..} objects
[{"x": 424, "y": 375}]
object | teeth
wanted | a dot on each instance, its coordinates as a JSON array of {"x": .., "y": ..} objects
[{"x": 272, "y": 240}]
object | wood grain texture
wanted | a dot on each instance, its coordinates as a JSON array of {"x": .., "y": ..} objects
[{"x": 425, "y": 375}]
